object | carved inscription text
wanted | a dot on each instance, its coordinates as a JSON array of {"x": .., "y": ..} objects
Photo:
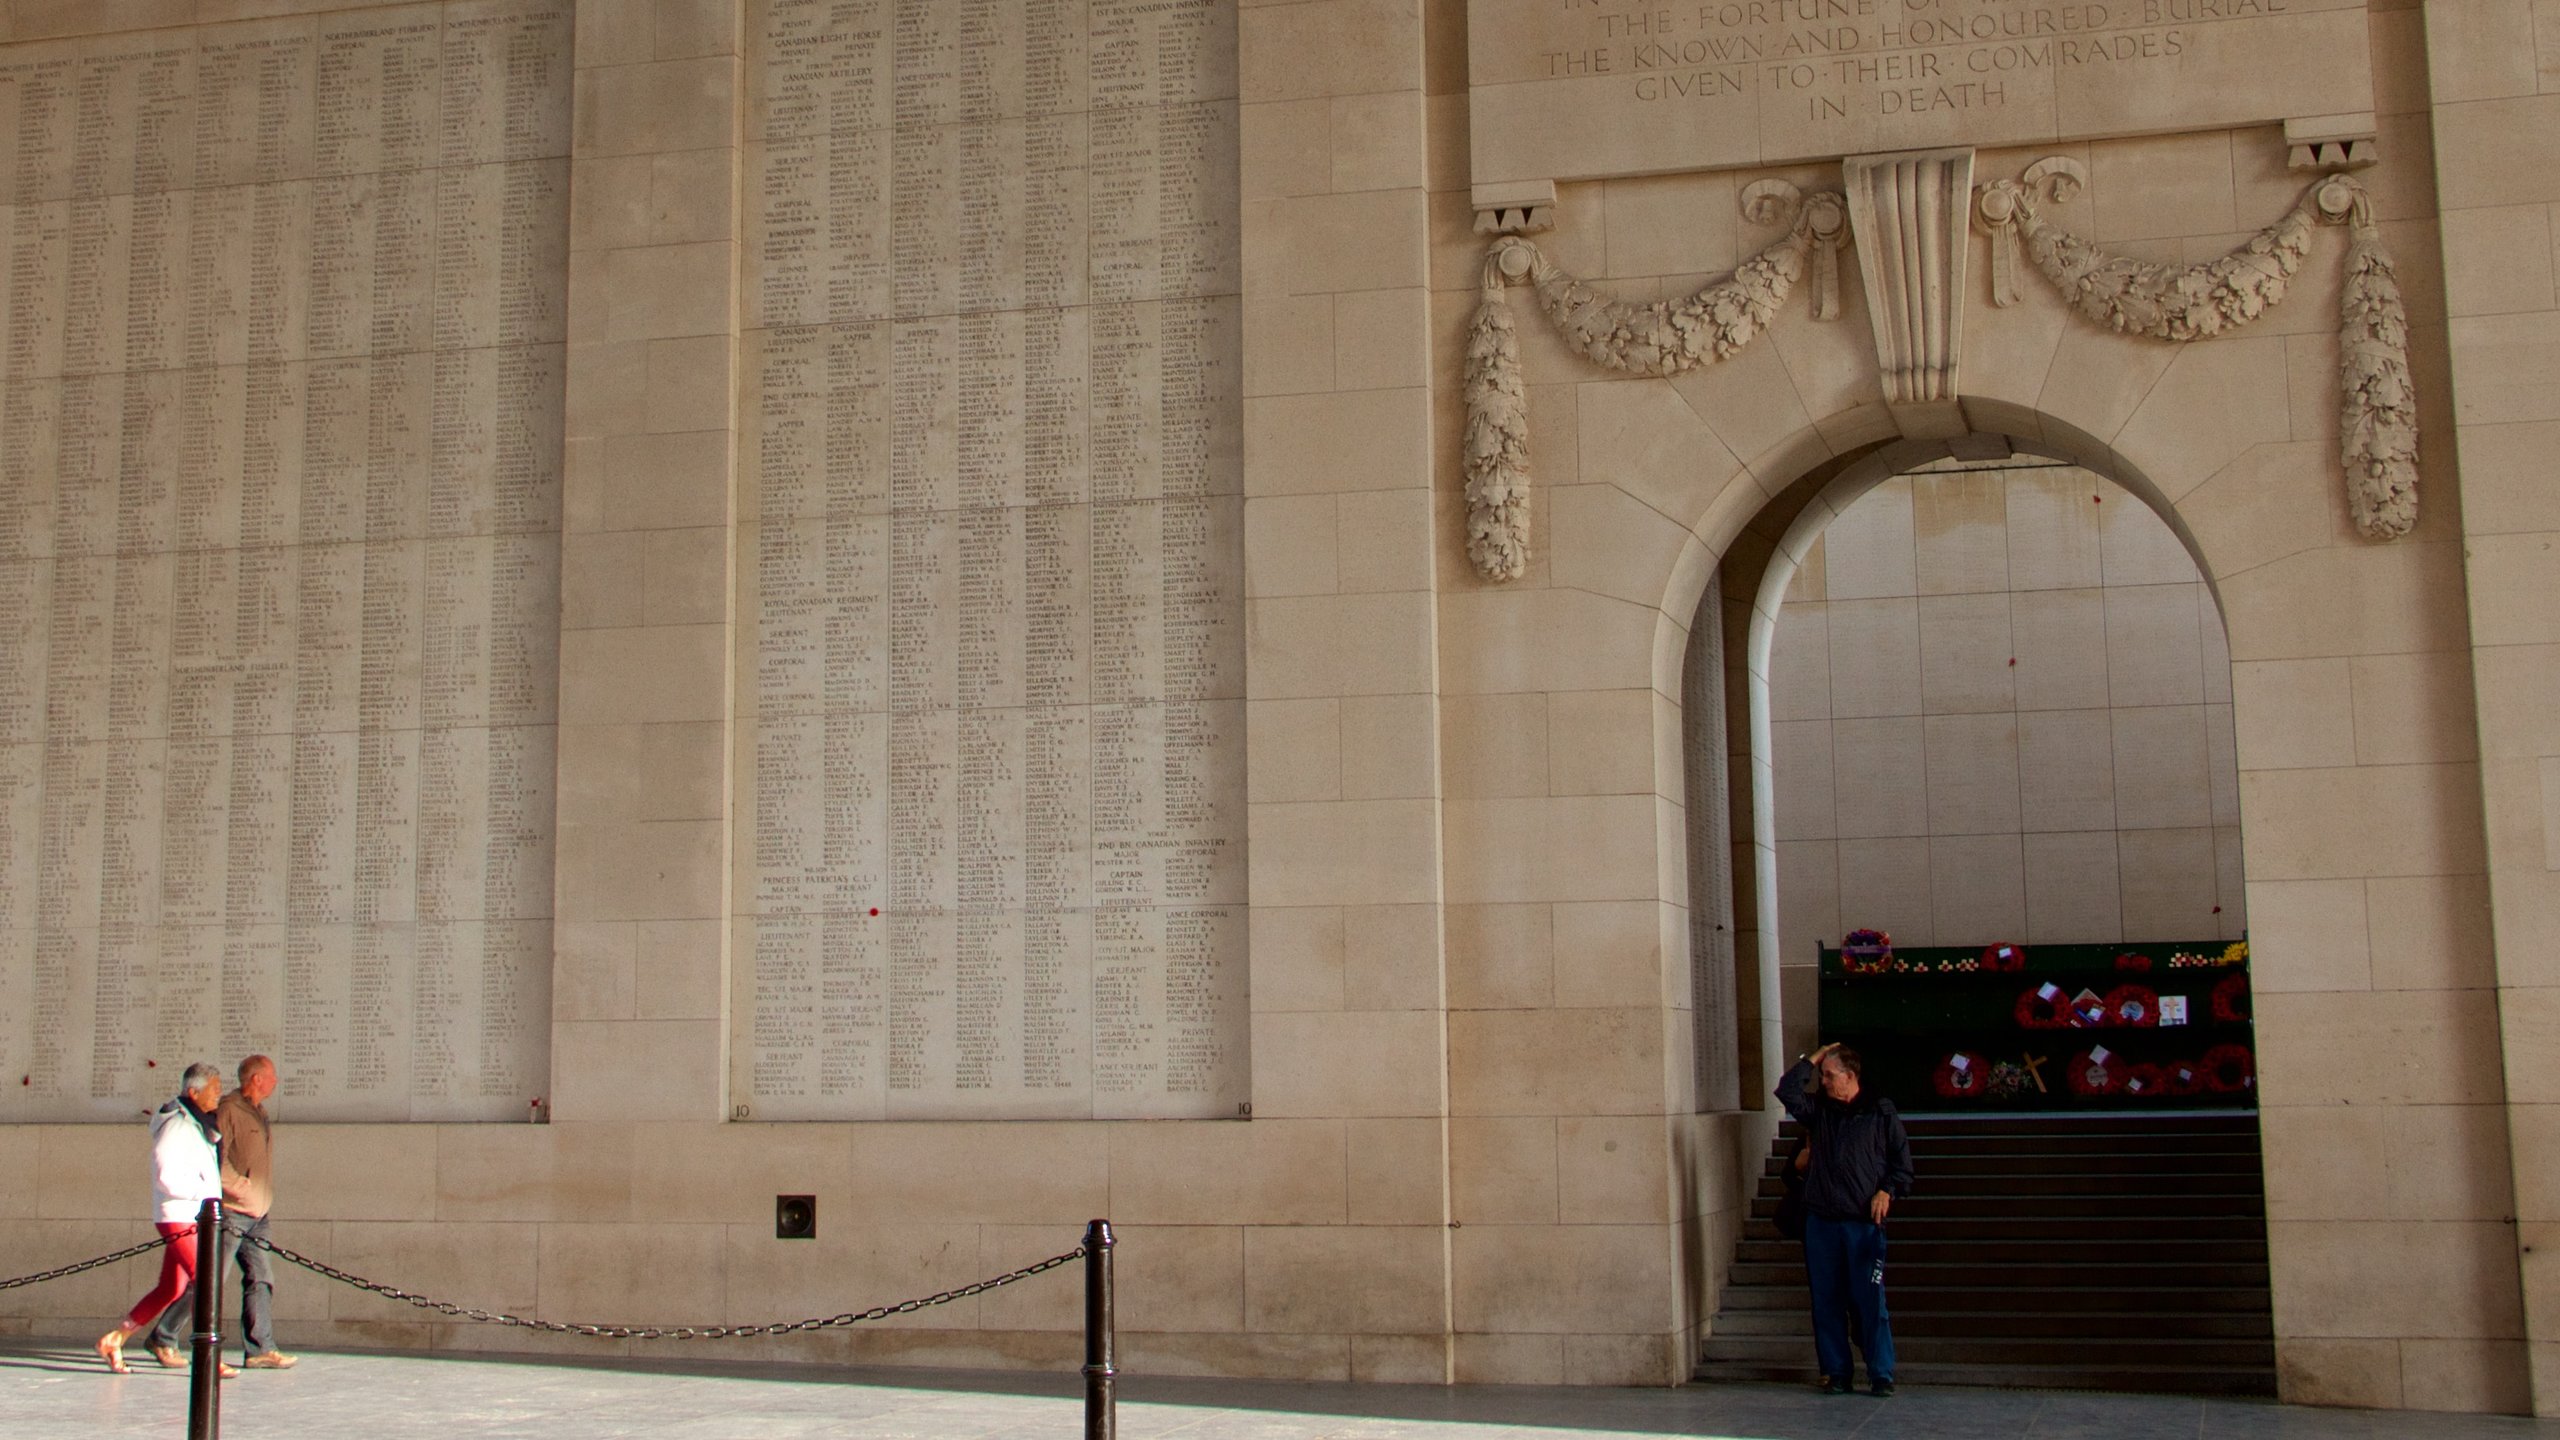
[{"x": 1686, "y": 83}]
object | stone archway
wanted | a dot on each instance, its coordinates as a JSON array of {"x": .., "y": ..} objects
[
  {"x": 2339, "y": 836},
  {"x": 1827, "y": 504}
]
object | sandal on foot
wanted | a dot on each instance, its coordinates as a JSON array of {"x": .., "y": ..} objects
[
  {"x": 111, "y": 1350},
  {"x": 169, "y": 1357}
]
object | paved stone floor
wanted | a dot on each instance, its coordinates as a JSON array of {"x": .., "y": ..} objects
[{"x": 50, "y": 1391}]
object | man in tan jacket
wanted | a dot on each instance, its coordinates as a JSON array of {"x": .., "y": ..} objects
[{"x": 248, "y": 1189}]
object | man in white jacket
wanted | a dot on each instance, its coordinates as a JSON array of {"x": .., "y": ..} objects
[{"x": 186, "y": 1171}]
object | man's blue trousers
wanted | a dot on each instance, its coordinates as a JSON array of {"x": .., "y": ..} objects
[{"x": 1844, "y": 1263}]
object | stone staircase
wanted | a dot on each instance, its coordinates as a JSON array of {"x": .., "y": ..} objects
[{"x": 2097, "y": 1252}]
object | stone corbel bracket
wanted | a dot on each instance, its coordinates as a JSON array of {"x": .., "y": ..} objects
[
  {"x": 1515, "y": 207},
  {"x": 1911, "y": 212},
  {"x": 2331, "y": 142}
]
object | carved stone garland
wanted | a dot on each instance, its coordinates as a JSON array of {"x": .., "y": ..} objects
[
  {"x": 1660, "y": 339},
  {"x": 2377, "y": 415}
]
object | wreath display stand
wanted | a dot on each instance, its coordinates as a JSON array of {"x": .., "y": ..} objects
[{"x": 2047, "y": 1027}]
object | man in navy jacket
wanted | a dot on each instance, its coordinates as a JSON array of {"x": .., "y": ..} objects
[{"x": 1861, "y": 1165}]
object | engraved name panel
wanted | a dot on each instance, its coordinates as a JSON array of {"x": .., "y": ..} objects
[
  {"x": 990, "y": 676},
  {"x": 281, "y": 331}
]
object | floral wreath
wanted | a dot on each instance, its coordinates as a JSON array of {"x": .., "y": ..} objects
[
  {"x": 2231, "y": 1000},
  {"x": 2096, "y": 1072},
  {"x": 2087, "y": 1009},
  {"x": 2181, "y": 1077},
  {"x": 2134, "y": 962},
  {"x": 2043, "y": 1008},
  {"x": 2147, "y": 1081},
  {"x": 2228, "y": 1069},
  {"x": 2008, "y": 1080},
  {"x": 1866, "y": 952},
  {"x": 2133, "y": 1005},
  {"x": 2004, "y": 957},
  {"x": 1963, "y": 1076}
]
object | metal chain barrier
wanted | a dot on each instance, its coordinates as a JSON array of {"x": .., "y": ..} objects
[
  {"x": 204, "y": 1417},
  {"x": 127, "y": 1253},
  {"x": 656, "y": 1332}
]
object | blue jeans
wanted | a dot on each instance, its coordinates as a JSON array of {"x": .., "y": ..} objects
[
  {"x": 257, "y": 1271},
  {"x": 1844, "y": 1263}
]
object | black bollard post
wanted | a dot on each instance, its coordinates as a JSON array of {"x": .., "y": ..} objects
[
  {"x": 204, "y": 1382},
  {"x": 1100, "y": 1422}
]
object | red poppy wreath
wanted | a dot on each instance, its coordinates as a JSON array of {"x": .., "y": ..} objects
[
  {"x": 1963, "y": 1076},
  {"x": 2043, "y": 1008},
  {"x": 2133, "y": 1005},
  {"x": 2228, "y": 1069},
  {"x": 1866, "y": 952},
  {"x": 2097, "y": 1072},
  {"x": 2231, "y": 1000}
]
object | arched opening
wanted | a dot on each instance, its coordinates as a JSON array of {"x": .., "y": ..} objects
[{"x": 1986, "y": 685}]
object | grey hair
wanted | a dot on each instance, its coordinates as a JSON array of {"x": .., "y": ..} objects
[{"x": 200, "y": 1072}]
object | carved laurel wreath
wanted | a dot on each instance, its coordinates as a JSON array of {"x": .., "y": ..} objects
[
  {"x": 2377, "y": 410},
  {"x": 2377, "y": 415},
  {"x": 1663, "y": 338}
]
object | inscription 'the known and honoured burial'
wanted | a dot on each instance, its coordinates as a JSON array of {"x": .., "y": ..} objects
[
  {"x": 991, "y": 676},
  {"x": 280, "y": 410},
  {"x": 1579, "y": 89}
]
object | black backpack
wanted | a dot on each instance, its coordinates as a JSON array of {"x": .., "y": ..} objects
[{"x": 1790, "y": 1217}]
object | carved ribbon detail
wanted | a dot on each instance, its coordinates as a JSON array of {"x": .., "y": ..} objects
[
  {"x": 2377, "y": 420},
  {"x": 1663, "y": 338}
]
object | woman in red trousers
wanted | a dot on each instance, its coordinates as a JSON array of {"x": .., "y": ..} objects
[{"x": 186, "y": 1171}]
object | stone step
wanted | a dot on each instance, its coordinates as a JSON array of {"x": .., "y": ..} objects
[
  {"x": 2027, "y": 1164},
  {"x": 2078, "y": 1229},
  {"x": 2069, "y": 1182},
  {"x": 2123, "y": 1252},
  {"x": 2007, "y": 1350},
  {"x": 1931, "y": 1294},
  {"x": 2061, "y": 1256},
  {"x": 2189, "y": 1379},
  {"x": 2193, "y": 1122},
  {"x": 2095, "y": 1334},
  {"x": 1998, "y": 1279},
  {"x": 2128, "y": 1205}
]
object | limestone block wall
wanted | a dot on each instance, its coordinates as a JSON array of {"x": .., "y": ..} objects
[
  {"x": 1309, "y": 1240},
  {"x": 2493, "y": 75},
  {"x": 2000, "y": 707},
  {"x": 1476, "y": 1150}
]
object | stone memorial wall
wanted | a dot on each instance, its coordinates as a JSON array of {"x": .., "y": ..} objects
[
  {"x": 280, "y": 440},
  {"x": 990, "y": 860}
]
